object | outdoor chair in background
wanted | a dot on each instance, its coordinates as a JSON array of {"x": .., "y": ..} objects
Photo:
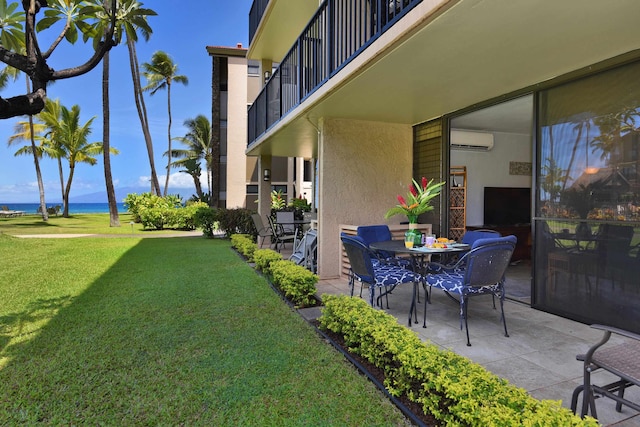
[
  {"x": 621, "y": 360},
  {"x": 286, "y": 220},
  {"x": 376, "y": 275},
  {"x": 483, "y": 273},
  {"x": 305, "y": 251},
  {"x": 263, "y": 231},
  {"x": 280, "y": 235}
]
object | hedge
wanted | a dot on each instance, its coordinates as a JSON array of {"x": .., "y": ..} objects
[{"x": 448, "y": 386}]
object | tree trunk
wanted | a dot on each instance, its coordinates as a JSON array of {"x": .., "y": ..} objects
[
  {"x": 114, "y": 218},
  {"x": 67, "y": 190},
  {"x": 196, "y": 182},
  {"x": 166, "y": 182},
  {"x": 142, "y": 114},
  {"x": 214, "y": 189},
  {"x": 36, "y": 162},
  {"x": 61, "y": 173}
]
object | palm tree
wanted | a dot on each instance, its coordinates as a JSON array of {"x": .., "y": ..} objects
[
  {"x": 130, "y": 17},
  {"x": 133, "y": 17},
  {"x": 74, "y": 138},
  {"x": 192, "y": 167},
  {"x": 51, "y": 115},
  {"x": 160, "y": 73},
  {"x": 114, "y": 218},
  {"x": 198, "y": 143}
]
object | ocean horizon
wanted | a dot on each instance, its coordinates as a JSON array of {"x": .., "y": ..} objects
[{"x": 74, "y": 208}]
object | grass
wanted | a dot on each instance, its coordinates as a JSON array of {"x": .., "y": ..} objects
[
  {"x": 75, "y": 224},
  {"x": 176, "y": 331}
]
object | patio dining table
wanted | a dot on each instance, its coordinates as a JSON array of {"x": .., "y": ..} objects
[
  {"x": 297, "y": 224},
  {"x": 418, "y": 256}
]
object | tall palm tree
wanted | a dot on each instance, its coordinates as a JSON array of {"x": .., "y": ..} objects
[
  {"x": 114, "y": 218},
  {"x": 130, "y": 18},
  {"x": 74, "y": 138},
  {"x": 51, "y": 115},
  {"x": 133, "y": 18},
  {"x": 198, "y": 147},
  {"x": 160, "y": 74}
]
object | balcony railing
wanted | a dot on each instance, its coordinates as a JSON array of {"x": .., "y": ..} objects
[
  {"x": 337, "y": 33},
  {"x": 255, "y": 15}
]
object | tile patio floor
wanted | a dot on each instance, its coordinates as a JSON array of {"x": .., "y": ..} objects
[{"x": 539, "y": 355}]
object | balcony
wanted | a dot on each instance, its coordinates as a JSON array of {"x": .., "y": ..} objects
[
  {"x": 255, "y": 16},
  {"x": 337, "y": 33}
]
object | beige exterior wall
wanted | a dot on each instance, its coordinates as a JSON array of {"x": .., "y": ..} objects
[
  {"x": 236, "y": 132},
  {"x": 363, "y": 167}
]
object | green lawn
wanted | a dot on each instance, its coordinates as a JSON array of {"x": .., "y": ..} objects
[
  {"x": 75, "y": 224},
  {"x": 176, "y": 331}
]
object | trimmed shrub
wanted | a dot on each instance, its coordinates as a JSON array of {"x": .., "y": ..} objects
[
  {"x": 263, "y": 259},
  {"x": 450, "y": 387},
  {"x": 244, "y": 244},
  {"x": 296, "y": 282}
]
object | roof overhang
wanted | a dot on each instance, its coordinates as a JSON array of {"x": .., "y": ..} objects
[{"x": 444, "y": 56}]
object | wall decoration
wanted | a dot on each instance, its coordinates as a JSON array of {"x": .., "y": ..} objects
[{"x": 520, "y": 168}]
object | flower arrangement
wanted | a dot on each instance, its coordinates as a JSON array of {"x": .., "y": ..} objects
[{"x": 418, "y": 200}]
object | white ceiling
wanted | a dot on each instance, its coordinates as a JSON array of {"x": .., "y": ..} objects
[{"x": 515, "y": 116}]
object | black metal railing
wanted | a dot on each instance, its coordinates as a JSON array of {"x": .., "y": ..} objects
[
  {"x": 255, "y": 15},
  {"x": 337, "y": 33}
]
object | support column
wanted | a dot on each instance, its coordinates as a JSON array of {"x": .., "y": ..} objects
[
  {"x": 264, "y": 187},
  {"x": 363, "y": 166}
]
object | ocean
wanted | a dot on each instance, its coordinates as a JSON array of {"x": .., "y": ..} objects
[{"x": 74, "y": 208}]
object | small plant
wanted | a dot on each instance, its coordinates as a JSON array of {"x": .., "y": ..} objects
[{"x": 277, "y": 201}]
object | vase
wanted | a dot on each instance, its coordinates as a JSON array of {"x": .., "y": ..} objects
[{"x": 413, "y": 230}]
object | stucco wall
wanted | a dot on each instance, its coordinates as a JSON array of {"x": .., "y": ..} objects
[
  {"x": 236, "y": 132},
  {"x": 364, "y": 166}
]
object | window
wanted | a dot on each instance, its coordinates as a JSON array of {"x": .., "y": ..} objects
[{"x": 588, "y": 198}]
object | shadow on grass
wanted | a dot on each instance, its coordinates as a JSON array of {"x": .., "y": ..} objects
[
  {"x": 40, "y": 311},
  {"x": 179, "y": 331}
]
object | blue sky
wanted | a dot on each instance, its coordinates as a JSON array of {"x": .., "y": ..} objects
[{"x": 183, "y": 32}]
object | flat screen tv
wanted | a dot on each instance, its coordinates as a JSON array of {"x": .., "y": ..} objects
[{"x": 507, "y": 206}]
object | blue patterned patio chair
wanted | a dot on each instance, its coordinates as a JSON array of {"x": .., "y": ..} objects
[
  {"x": 381, "y": 233},
  {"x": 365, "y": 269},
  {"x": 486, "y": 265}
]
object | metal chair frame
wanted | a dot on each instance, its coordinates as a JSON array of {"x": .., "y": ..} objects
[{"x": 483, "y": 273}]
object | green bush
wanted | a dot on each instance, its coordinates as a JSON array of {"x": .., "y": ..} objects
[
  {"x": 263, "y": 259},
  {"x": 236, "y": 221},
  {"x": 156, "y": 212},
  {"x": 244, "y": 244},
  {"x": 206, "y": 219},
  {"x": 296, "y": 282},
  {"x": 450, "y": 387},
  {"x": 135, "y": 203}
]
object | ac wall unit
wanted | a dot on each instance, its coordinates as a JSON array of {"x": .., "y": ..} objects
[{"x": 471, "y": 140}]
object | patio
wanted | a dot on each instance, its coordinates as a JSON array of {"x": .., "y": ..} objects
[{"x": 539, "y": 355}]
